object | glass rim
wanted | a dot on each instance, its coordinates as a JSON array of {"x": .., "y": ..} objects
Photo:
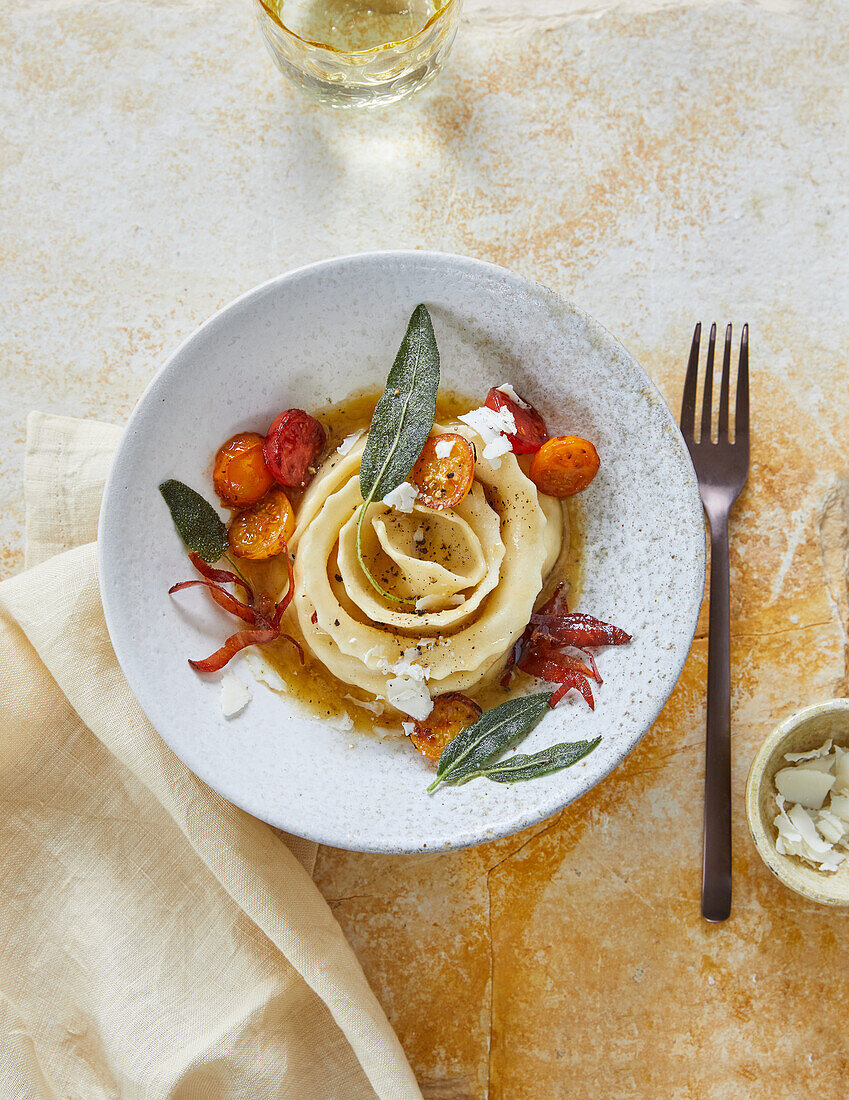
[{"x": 315, "y": 44}]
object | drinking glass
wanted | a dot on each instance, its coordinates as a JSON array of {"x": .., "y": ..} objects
[{"x": 359, "y": 53}]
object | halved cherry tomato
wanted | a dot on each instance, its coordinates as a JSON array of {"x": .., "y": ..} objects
[
  {"x": 240, "y": 475},
  {"x": 443, "y": 479},
  {"x": 531, "y": 431},
  {"x": 294, "y": 442},
  {"x": 564, "y": 466},
  {"x": 263, "y": 530},
  {"x": 451, "y": 713}
]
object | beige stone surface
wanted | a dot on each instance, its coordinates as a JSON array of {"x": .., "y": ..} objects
[{"x": 659, "y": 164}]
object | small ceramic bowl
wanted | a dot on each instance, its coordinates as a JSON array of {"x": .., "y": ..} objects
[{"x": 805, "y": 730}]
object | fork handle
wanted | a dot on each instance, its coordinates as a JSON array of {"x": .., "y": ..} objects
[{"x": 716, "y": 865}]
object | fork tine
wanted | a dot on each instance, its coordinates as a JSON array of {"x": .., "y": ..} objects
[
  {"x": 688, "y": 401},
  {"x": 724, "y": 388},
  {"x": 707, "y": 397},
  {"x": 741, "y": 413}
]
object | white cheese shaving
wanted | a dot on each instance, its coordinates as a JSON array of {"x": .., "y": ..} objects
[
  {"x": 342, "y": 721},
  {"x": 511, "y": 393},
  {"x": 235, "y": 695},
  {"x": 373, "y": 707},
  {"x": 806, "y": 827},
  {"x": 841, "y": 770},
  {"x": 408, "y": 728},
  {"x": 349, "y": 442},
  {"x": 490, "y": 425},
  {"x": 409, "y": 696},
  {"x": 419, "y": 535},
  {"x": 803, "y": 822},
  {"x": 804, "y": 786},
  {"x": 831, "y": 827},
  {"x": 810, "y": 754},
  {"x": 403, "y": 498},
  {"x": 406, "y": 666},
  {"x": 264, "y": 673},
  {"x": 821, "y": 764},
  {"x": 444, "y": 447}
]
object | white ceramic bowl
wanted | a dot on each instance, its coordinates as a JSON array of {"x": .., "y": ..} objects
[
  {"x": 806, "y": 730},
  {"x": 309, "y": 338}
]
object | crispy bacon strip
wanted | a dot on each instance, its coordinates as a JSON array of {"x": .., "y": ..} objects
[
  {"x": 234, "y": 644},
  {"x": 593, "y": 666},
  {"x": 556, "y": 673},
  {"x": 261, "y": 613},
  {"x": 222, "y": 598},
  {"x": 579, "y": 630},
  {"x": 553, "y": 628},
  {"x": 287, "y": 599},
  {"x": 220, "y": 576},
  {"x": 563, "y": 660}
]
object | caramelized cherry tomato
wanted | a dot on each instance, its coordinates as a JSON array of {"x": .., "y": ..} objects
[
  {"x": 240, "y": 475},
  {"x": 531, "y": 431},
  {"x": 451, "y": 713},
  {"x": 564, "y": 465},
  {"x": 294, "y": 442},
  {"x": 263, "y": 530},
  {"x": 444, "y": 471}
]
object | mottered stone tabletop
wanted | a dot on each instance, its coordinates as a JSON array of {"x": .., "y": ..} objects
[{"x": 658, "y": 163}]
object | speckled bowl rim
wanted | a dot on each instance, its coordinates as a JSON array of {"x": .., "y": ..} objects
[
  {"x": 690, "y": 514},
  {"x": 763, "y": 834}
]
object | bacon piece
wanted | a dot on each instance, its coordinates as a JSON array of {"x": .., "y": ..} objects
[
  {"x": 262, "y": 614},
  {"x": 290, "y": 592},
  {"x": 234, "y": 644},
  {"x": 579, "y": 630},
  {"x": 220, "y": 576},
  {"x": 567, "y": 676},
  {"x": 222, "y": 598}
]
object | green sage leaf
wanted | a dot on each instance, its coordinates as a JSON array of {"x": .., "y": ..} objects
[
  {"x": 552, "y": 759},
  {"x": 405, "y": 413},
  {"x": 495, "y": 731},
  {"x": 401, "y": 423},
  {"x": 197, "y": 522}
]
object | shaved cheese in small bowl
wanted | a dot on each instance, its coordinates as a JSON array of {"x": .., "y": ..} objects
[{"x": 812, "y": 795}]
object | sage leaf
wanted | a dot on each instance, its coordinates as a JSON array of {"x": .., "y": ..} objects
[
  {"x": 405, "y": 413},
  {"x": 197, "y": 522},
  {"x": 401, "y": 423},
  {"x": 552, "y": 759},
  {"x": 495, "y": 731}
]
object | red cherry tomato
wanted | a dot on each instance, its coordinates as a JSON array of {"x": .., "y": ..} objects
[
  {"x": 531, "y": 431},
  {"x": 294, "y": 442}
]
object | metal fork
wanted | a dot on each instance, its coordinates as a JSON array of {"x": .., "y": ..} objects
[{"x": 721, "y": 468}]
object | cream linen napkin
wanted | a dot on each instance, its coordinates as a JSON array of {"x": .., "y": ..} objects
[{"x": 154, "y": 940}]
